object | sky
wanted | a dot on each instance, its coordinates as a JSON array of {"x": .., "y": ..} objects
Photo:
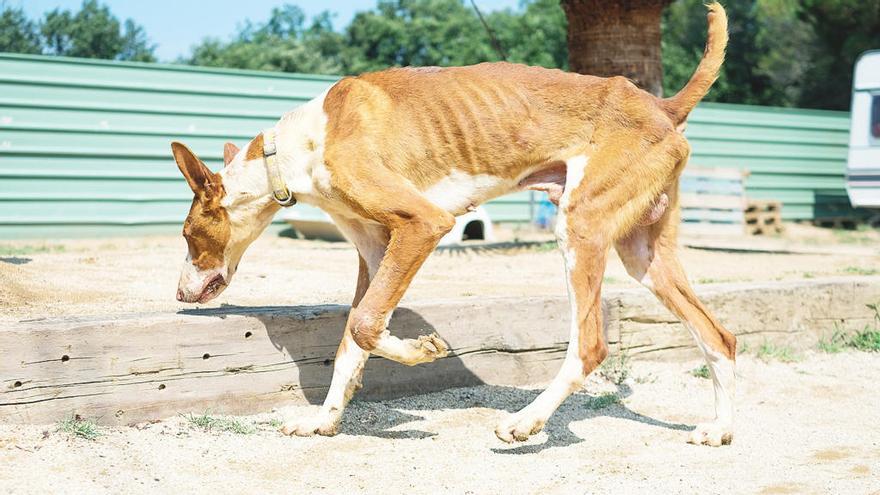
[{"x": 176, "y": 25}]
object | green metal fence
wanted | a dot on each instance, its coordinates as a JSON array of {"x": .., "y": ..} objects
[{"x": 84, "y": 144}]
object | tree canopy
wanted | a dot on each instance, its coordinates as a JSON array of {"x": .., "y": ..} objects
[
  {"x": 92, "y": 32},
  {"x": 782, "y": 52}
]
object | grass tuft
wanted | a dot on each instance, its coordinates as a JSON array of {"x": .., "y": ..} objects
[
  {"x": 866, "y": 340},
  {"x": 616, "y": 367},
  {"x": 701, "y": 372},
  {"x": 834, "y": 344},
  {"x": 77, "y": 426},
  {"x": 769, "y": 351},
  {"x": 213, "y": 423},
  {"x": 858, "y": 270},
  {"x": 7, "y": 250},
  {"x": 603, "y": 401}
]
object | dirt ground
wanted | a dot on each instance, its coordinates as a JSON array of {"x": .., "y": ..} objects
[
  {"x": 807, "y": 427},
  {"x": 804, "y": 427},
  {"x": 131, "y": 275}
]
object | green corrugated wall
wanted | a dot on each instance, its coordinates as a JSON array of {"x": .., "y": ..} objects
[{"x": 84, "y": 144}]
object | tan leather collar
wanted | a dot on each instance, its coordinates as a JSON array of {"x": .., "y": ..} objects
[{"x": 280, "y": 192}]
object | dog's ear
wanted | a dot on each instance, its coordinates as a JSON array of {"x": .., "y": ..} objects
[
  {"x": 198, "y": 176},
  {"x": 229, "y": 152}
]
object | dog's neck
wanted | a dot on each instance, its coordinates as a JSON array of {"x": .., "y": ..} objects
[
  {"x": 300, "y": 144},
  {"x": 300, "y": 150}
]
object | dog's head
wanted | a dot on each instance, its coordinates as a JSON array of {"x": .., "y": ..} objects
[{"x": 222, "y": 222}]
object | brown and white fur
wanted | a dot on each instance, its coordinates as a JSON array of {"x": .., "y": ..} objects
[{"x": 393, "y": 156}]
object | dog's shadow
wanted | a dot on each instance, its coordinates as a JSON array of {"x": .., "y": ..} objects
[
  {"x": 383, "y": 419},
  {"x": 404, "y": 390}
]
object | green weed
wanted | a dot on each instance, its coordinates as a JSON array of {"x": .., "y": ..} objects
[
  {"x": 79, "y": 427},
  {"x": 866, "y": 340},
  {"x": 603, "y": 401},
  {"x": 616, "y": 367},
  {"x": 834, "y": 344},
  {"x": 28, "y": 249},
  {"x": 212, "y": 423},
  {"x": 701, "y": 372},
  {"x": 857, "y": 270},
  {"x": 769, "y": 351}
]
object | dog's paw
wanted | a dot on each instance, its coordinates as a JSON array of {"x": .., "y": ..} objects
[
  {"x": 433, "y": 346},
  {"x": 713, "y": 434},
  {"x": 424, "y": 349},
  {"x": 319, "y": 424},
  {"x": 519, "y": 427}
]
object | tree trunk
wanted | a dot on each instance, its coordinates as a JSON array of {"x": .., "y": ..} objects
[{"x": 616, "y": 38}]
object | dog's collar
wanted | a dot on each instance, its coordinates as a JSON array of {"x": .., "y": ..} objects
[{"x": 280, "y": 192}]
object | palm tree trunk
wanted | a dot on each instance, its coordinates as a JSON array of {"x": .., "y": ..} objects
[{"x": 616, "y": 38}]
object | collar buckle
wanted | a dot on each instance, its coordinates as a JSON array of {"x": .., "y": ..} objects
[{"x": 280, "y": 193}]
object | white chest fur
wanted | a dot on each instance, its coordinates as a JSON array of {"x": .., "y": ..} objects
[{"x": 459, "y": 191}]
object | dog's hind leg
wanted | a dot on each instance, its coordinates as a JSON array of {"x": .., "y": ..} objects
[
  {"x": 586, "y": 344},
  {"x": 648, "y": 253},
  {"x": 348, "y": 367},
  {"x": 600, "y": 199}
]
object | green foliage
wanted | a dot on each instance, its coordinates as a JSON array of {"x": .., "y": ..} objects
[
  {"x": 616, "y": 367},
  {"x": 860, "y": 270},
  {"x": 603, "y": 401},
  {"x": 834, "y": 344},
  {"x": 395, "y": 33},
  {"x": 844, "y": 29},
  {"x": 212, "y": 423},
  {"x": 13, "y": 250},
  {"x": 782, "y": 52},
  {"x": 79, "y": 427},
  {"x": 417, "y": 33},
  {"x": 769, "y": 351},
  {"x": 866, "y": 340},
  {"x": 537, "y": 36},
  {"x": 92, "y": 32},
  {"x": 701, "y": 372},
  {"x": 17, "y": 33},
  {"x": 285, "y": 42},
  {"x": 766, "y": 56}
]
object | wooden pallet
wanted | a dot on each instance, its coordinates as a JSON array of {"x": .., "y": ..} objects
[
  {"x": 764, "y": 217},
  {"x": 713, "y": 201},
  {"x": 842, "y": 223}
]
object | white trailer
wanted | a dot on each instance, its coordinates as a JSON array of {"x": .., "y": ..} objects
[{"x": 863, "y": 163}]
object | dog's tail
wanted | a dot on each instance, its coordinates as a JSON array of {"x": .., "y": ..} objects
[{"x": 679, "y": 106}]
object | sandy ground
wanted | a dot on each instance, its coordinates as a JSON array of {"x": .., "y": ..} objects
[
  {"x": 806, "y": 427},
  {"x": 106, "y": 276}
]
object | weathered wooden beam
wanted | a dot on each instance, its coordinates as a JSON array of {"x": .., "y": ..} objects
[{"x": 248, "y": 359}]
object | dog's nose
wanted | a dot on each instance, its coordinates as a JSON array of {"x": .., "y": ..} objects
[{"x": 180, "y": 295}]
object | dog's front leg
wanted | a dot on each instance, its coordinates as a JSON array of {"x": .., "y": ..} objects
[
  {"x": 415, "y": 226},
  {"x": 348, "y": 368},
  {"x": 371, "y": 242}
]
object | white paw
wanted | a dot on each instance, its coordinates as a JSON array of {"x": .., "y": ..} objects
[
  {"x": 519, "y": 427},
  {"x": 320, "y": 424},
  {"x": 713, "y": 434},
  {"x": 433, "y": 346},
  {"x": 424, "y": 349}
]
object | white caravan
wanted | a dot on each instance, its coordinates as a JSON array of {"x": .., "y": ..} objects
[{"x": 863, "y": 164}]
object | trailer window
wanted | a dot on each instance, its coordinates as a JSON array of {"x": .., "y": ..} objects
[{"x": 875, "y": 117}]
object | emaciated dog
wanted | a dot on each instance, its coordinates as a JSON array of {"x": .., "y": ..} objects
[{"x": 394, "y": 155}]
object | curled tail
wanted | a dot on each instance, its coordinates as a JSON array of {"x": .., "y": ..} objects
[{"x": 679, "y": 106}]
